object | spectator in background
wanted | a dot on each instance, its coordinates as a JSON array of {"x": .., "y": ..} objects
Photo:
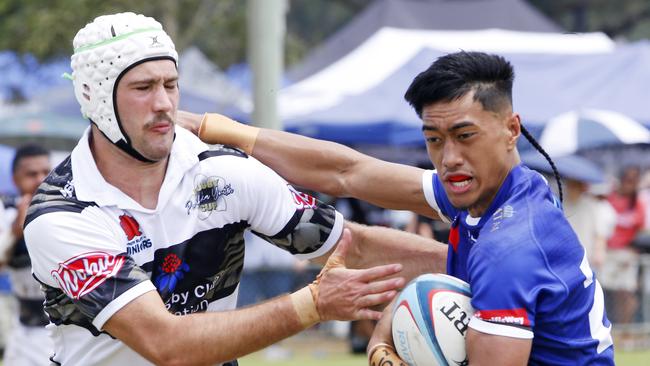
[
  {"x": 621, "y": 270},
  {"x": 420, "y": 225},
  {"x": 588, "y": 218},
  {"x": 644, "y": 196},
  {"x": 29, "y": 342}
]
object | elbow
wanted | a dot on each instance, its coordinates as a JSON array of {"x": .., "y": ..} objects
[
  {"x": 164, "y": 357},
  {"x": 166, "y": 347}
]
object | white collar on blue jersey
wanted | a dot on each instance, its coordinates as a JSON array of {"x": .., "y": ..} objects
[{"x": 91, "y": 186}]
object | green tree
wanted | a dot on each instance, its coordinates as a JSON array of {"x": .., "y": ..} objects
[
  {"x": 628, "y": 19},
  {"x": 45, "y": 29}
]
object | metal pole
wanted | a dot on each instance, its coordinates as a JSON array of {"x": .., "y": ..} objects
[{"x": 266, "y": 31}]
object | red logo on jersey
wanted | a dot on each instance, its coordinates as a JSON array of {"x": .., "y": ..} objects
[
  {"x": 81, "y": 274},
  {"x": 509, "y": 316},
  {"x": 302, "y": 200},
  {"x": 130, "y": 226},
  {"x": 454, "y": 237}
]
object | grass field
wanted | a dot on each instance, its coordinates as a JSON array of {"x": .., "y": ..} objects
[
  {"x": 622, "y": 359},
  {"x": 312, "y": 350}
]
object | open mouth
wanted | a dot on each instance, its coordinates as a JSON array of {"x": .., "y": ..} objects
[{"x": 459, "y": 181}]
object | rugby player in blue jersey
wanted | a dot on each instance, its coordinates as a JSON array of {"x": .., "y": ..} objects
[{"x": 537, "y": 301}]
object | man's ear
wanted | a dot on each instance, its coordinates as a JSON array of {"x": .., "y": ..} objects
[{"x": 513, "y": 125}]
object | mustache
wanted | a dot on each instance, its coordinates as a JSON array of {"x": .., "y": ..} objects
[{"x": 163, "y": 117}]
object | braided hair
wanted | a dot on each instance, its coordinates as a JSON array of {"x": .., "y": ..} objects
[{"x": 541, "y": 150}]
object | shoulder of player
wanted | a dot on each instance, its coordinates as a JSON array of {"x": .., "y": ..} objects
[
  {"x": 221, "y": 151},
  {"x": 56, "y": 194},
  {"x": 523, "y": 225},
  {"x": 231, "y": 164}
]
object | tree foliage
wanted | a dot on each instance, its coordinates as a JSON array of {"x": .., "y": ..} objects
[
  {"x": 45, "y": 28},
  {"x": 622, "y": 19}
]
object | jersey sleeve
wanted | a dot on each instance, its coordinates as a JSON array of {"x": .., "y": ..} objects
[
  {"x": 288, "y": 218},
  {"x": 77, "y": 255},
  {"x": 436, "y": 197},
  {"x": 507, "y": 281}
]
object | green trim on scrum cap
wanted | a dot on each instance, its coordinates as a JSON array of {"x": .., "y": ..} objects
[{"x": 114, "y": 39}]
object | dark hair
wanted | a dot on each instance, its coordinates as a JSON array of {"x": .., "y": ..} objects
[
  {"x": 452, "y": 76},
  {"x": 27, "y": 151}
]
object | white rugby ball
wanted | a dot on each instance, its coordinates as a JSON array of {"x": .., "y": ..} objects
[{"x": 430, "y": 321}]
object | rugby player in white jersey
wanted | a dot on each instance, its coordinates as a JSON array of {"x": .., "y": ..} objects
[{"x": 137, "y": 237}]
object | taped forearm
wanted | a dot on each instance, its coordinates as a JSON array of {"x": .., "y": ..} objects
[
  {"x": 219, "y": 129},
  {"x": 304, "y": 303}
]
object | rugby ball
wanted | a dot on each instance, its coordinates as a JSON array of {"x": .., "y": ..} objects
[{"x": 430, "y": 321}]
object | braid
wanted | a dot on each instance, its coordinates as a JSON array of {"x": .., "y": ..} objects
[{"x": 539, "y": 148}]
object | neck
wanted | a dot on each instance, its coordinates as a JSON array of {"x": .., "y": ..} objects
[{"x": 139, "y": 180}]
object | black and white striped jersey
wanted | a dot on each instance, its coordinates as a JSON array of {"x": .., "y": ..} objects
[{"x": 94, "y": 249}]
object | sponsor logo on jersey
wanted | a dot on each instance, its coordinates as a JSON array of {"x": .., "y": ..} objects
[
  {"x": 209, "y": 195},
  {"x": 508, "y": 316},
  {"x": 83, "y": 273},
  {"x": 500, "y": 214},
  {"x": 137, "y": 241},
  {"x": 68, "y": 190},
  {"x": 172, "y": 270},
  {"x": 302, "y": 200}
]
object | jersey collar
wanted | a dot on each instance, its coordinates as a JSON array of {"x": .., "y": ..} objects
[
  {"x": 91, "y": 186},
  {"x": 505, "y": 192}
]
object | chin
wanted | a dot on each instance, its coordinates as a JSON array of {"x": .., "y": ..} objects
[
  {"x": 460, "y": 204},
  {"x": 157, "y": 154}
]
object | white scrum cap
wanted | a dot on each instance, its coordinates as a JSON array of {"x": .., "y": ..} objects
[{"x": 106, "y": 49}]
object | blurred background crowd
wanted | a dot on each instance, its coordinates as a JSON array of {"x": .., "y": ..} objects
[{"x": 337, "y": 71}]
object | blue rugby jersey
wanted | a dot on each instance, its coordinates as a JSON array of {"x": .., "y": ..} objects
[{"x": 528, "y": 273}]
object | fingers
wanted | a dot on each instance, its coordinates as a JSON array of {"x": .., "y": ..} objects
[
  {"x": 367, "y": 314},
  {"x": 376, "y": 299},
  {"x": 189, "y": 121},
  {"x": 385, "y": 285},
  {"x": 384, "y": 355},
  {"x": 371, "y": 274}
]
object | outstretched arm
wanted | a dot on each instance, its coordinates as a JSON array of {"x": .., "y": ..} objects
[
  {"x": 208, "y": 338},
  {"x": 376, "y": 245},
  {"x": 318, "y": 165}
]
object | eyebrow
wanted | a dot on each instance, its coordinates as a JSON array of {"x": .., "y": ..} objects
[
  {"x": 153, "y": 80},
  {"x": 455, "y": 127}
]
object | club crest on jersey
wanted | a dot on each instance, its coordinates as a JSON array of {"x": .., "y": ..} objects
[
  {"x": 137, "y": 241},
  {"x": 208, "y": 196},
  {"x": 302, "y": 200},
  {"x": 172, "y": 270},
  {"x": 83, "y": 273}
]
